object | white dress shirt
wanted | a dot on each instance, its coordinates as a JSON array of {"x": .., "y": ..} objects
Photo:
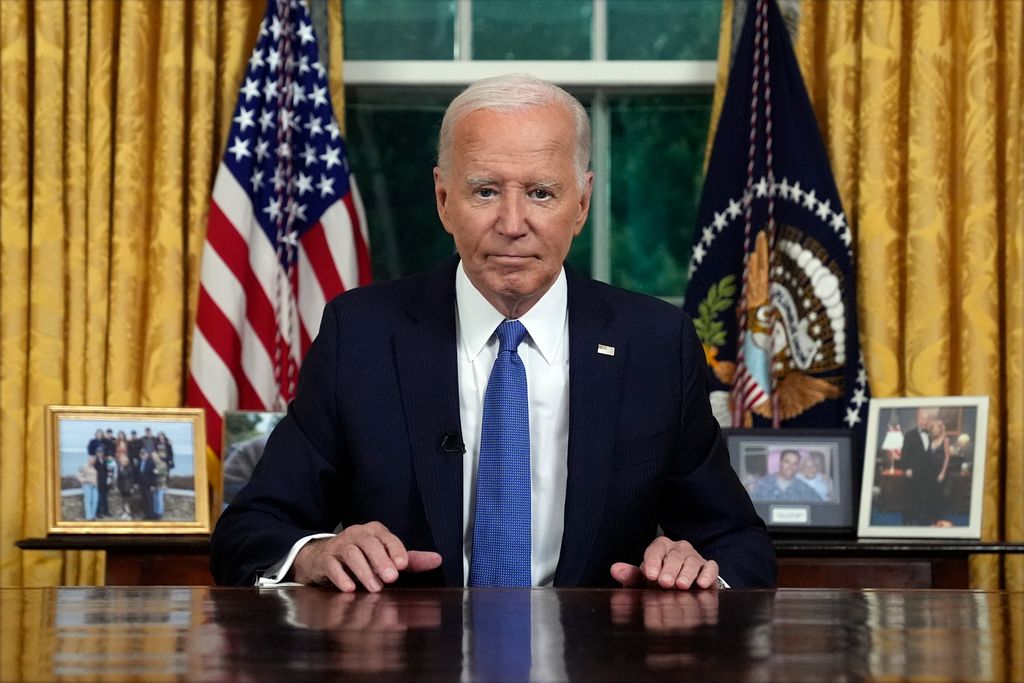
[{"x": 545, "y": 355}]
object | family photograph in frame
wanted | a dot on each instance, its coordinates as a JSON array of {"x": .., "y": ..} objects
[
  {"x": 924, "y": 467},
  {"x": 799, "y": 480},
  {"x": 245, "y": 436},
  {"x": 116, "y": 470}
]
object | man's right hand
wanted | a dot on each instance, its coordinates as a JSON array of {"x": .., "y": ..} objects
[{"x": 362, "y": 554}]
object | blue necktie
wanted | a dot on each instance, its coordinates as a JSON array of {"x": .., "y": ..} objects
[{"x": 501, "y": 525}]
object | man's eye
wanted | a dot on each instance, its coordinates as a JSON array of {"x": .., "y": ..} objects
[
  {"x": 541, "y": 194},
  {"x": 485, "y": 193}
]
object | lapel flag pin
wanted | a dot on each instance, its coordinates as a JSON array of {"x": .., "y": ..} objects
[{"x": 606, "y": 350}]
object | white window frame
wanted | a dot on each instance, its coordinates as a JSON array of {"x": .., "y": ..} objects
[{"x": 598, "y": 75}]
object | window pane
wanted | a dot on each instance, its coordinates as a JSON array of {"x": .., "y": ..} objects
[
  {"x": 663, "y": 29},
  {"x": 531, "y": 29},
  {"x": 391, "y": 136},
  {"x": 657, "y": 156},
  {"x": 399, "y": 29}
]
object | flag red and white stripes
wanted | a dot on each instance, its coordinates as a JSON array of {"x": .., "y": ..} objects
[{"x": 286, "y": 230}]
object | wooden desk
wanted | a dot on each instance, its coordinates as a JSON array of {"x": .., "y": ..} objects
[
  {"x": 822, "y": 563},
  {"x": 248, "y": 634}
]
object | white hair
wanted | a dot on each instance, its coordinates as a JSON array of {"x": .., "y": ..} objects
[{"x": 509, "y": 94}]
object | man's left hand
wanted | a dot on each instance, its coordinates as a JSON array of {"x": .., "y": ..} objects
[{"x": 668, "y": 564}]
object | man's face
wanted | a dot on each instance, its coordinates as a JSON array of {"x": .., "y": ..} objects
[
  {"x": 512, "y": 202},
  {"x": 788, "y": 464},
  {"x": 924, "y": 418},
  {"x": 808, "y": 468}
]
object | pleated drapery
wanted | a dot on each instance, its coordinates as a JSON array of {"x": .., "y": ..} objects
[{"x": 114, "y": 117}]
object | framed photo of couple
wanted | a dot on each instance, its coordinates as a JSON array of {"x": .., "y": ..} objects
[
  {"x": 799, "y": 480},
  {"x": 126, "y": 471},
  {"x": 924, "y": 467}
]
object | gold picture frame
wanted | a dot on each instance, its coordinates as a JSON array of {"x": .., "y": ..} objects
[{"x": 149, "y": 484}]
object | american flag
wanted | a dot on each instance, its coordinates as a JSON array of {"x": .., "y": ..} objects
[{"x": 286, "y": 230}]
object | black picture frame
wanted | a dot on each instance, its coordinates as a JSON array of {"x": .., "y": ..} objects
[{"x": 823, "y": 504}]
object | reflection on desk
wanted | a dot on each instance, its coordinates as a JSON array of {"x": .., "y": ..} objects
[{"x": 215, "y": 634}]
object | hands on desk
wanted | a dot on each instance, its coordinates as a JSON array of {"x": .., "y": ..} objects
[
  {"x": 668, "y": 564},
  {"x": 365, "y": 553}
]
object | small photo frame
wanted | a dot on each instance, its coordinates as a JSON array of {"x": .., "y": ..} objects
[
  {"x": 924, "y": 467},
  {"x": 799, "y": 480},
  {"x": 126, "y": 471},
  {"x": 245, "y": 435}
]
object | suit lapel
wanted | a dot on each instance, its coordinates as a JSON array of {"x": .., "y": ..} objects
[
  {"x": 426, "y": 360},
  {"x": 595, "y": 386}
]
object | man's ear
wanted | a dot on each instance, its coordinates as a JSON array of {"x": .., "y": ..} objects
[
  {"x": 441, "y": 198},
  {"x": 588, "y": 190}
]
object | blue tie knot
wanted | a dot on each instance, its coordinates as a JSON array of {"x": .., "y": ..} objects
[{"x": 510, "y": 335}]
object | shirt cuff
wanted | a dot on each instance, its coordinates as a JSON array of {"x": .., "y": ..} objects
[
  {"x": 722, "y": 583},
  {"x": 275, "y": 575}
]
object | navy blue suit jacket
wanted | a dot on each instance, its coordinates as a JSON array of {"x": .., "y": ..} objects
[{"x": 362, "y": 441}]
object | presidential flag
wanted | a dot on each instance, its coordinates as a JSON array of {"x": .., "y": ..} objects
[
  {"x": 772, "y": 286},
  {"x": 286, "y": 230}
]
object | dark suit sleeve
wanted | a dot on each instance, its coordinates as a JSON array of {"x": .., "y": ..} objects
[
  {"x": 287, "y": 497},
  {"x": 703, "y": 501}
]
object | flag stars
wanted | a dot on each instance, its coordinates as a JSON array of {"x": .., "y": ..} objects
[
  {"x": 273, "y": 209},
  {"x": 824, "y": 210},
  {"x": 699, "y": 253},
  {"x": 784, "y": 188},
  {"x": 256, "y": 61},
  {"x": 251, "y": 89},
  {"x": 284, "y": 150},
  {"x": 735, "y": 209},
  {"x": 298, "y": 94},
  {"x": 319, "y": 96},
  {"x": 296, "y": 210},
  {"x": 262, "y": 150},
  {"x": 708, "y": 235},
  {"x": 276, "y": 28},
  {"x": 320, "y": 70},
  {"x": 761, "y": 187},
  {"x": 308, "y": 155},
  {"x": 326, "y": 186},
  {"x": 796, "y": 192},
  {"x": 720, "y": 221},
  {"x": 852, "y": 416},
  {"x": 274, "y": 59},
  {"x": 257, "y": 180},
  {"x": 331, "y": 157},
  {"x": 314, "y": 126},
  {"x": 838, "y": 221},
  {"x": 810, "y": 200},
  {"x": 240, "y": 149},
  {"x": 270, "y": 90},
  {"x": 244, "y": 118},
  {"x": 303, "y": 64},
  {"x": 266, "y": 120},
  {"x": 306, "y": 33},
  {"x": 859, "y": 397},
  {"x": 304, "y": 184},
  {"x": 278, "y": 179}
]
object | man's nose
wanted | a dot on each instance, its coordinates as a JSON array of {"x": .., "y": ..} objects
[{"x": 512, "y": 215}]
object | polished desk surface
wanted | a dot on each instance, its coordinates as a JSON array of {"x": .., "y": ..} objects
[{"x": 249, "y": 634}]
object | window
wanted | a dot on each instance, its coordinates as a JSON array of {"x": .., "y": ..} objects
[{"x": 643, "y": 68}]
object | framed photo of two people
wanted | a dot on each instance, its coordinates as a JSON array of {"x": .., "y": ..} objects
[
  {"x": 126, "y": 470},
  {"x": 799, "y": 480},
  {"x": 924, "y": 467}
]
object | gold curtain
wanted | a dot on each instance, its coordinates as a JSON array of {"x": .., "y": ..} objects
[
  {"x": 922, "y": 112},
  {"x": 113, "y": 121}
]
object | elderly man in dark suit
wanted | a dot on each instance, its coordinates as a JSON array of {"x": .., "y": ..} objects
[{"x": 619, "y": 470}]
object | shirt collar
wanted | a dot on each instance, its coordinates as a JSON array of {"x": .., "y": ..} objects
[{"x": 478, "y": 319}]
